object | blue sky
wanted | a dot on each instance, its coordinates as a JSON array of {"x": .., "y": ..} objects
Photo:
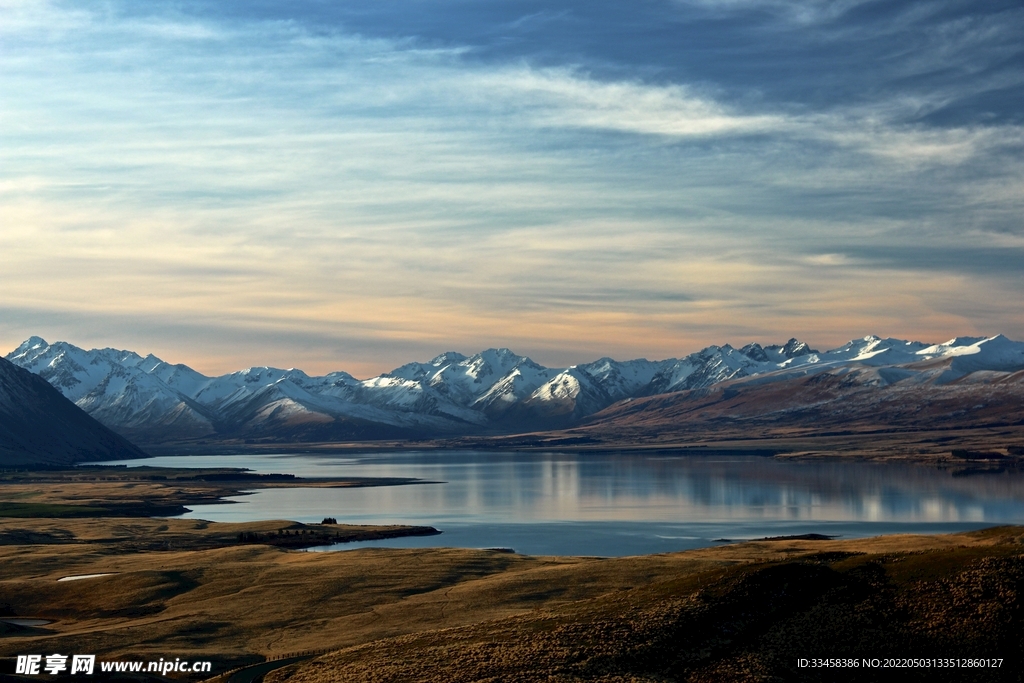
[{"x": 336, "y": 185}]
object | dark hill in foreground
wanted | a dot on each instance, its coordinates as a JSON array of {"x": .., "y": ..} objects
[{"x": 38, "y": 426}]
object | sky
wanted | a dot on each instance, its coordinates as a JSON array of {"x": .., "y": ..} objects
[{"x": 337, "y": 185}]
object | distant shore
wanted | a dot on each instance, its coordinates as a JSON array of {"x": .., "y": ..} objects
[
  {"x": 90, "y": 491},
  {"x": 973, "y": 449}
]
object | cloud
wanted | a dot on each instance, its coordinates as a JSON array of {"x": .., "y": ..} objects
[{"x": 295, "y": 185}]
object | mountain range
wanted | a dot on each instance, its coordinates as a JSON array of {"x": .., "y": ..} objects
[{"x": 492, "y": 392}]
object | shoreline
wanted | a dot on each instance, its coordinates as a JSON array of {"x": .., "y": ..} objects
[{"x": 143, "y": 491}]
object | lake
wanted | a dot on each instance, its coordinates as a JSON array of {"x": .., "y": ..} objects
[{"x": 616, "y": 504}]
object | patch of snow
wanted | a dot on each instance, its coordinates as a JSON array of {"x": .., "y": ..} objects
[{"x": 79, "y": 577}]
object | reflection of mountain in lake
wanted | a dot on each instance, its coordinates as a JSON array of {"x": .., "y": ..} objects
[{"x": 546, "y": 496}]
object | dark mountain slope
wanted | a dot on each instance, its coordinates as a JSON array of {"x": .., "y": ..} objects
[{"x": 38, "y": 426}]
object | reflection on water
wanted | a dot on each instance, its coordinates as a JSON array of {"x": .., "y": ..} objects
[{"x": 620, "y": 504}]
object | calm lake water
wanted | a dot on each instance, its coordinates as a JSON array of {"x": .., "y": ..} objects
[{"x": 610, "y": 505}]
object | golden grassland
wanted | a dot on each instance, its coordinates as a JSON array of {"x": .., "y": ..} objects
[
  {"x": 749, "y": 614},
  {"x": 739, "y": 612}
]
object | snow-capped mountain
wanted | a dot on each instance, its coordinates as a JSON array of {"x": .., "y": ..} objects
[
  {"x": 869, "y": 386},
  {"x": 495, "y": 390}
]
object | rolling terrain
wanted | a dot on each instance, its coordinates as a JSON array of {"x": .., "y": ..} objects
[{"x": 740, "y": 612}]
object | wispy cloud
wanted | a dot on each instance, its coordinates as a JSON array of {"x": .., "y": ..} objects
[
  {"x": 800, "y": 11},
  {"x": 567, "y": 99}
]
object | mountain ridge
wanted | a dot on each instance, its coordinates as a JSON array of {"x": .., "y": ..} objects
[{"x": 493, "y": 391}]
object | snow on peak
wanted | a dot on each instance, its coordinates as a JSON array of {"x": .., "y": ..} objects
[
  {"x": 965, "y": 341},
  {"x": 448, "y": 357},
  {"x": 492, "y": 362},
  {"x": 30, "y": 344},
  {"x": 795, "y": 347},
  {"x": 755, "y": 351},
  {"x": 971, "y": 354},
  {"x": 962, "y": 346}
]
